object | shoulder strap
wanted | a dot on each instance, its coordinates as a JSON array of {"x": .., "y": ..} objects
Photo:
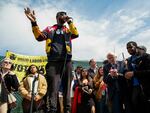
[{"x": 5, "y": 85}]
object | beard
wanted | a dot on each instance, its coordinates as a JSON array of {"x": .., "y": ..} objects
[{"x": 62, "y": 21}]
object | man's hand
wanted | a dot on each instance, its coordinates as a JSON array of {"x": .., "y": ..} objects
[
  {"x": 30, "y": 14},
  {"x": 113, "y": 72},
  {"x": 37, "y": 97},
  {"x": 28, "y": 97},
  {"x": 129, "y": 75},
  {"x": 69, "y": 19}
]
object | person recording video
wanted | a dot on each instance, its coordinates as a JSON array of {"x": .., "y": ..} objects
[{"x": 59, "y": 53}]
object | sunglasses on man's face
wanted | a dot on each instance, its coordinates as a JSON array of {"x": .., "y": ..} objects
[{"x": 6, "y": 62}]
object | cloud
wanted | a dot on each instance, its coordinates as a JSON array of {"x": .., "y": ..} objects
[
  {"x": 97, "y": 37},
  {"x": 16, "y": 31},
  {"x": 143, "y": 37}
]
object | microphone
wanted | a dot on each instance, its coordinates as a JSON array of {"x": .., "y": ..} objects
[
  {"x": 68, "y": 18},
  {"x": 35, "y": 79}
]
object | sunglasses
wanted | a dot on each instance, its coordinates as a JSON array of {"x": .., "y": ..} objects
[{"x": 6, "y": 62}]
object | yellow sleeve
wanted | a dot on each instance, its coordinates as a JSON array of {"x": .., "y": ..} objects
[
  {"x": 39, "y": 36},
  {"x": 73, "y": 29}
]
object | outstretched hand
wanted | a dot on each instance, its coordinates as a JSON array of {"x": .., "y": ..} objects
[{"x": 30, "y": 14}]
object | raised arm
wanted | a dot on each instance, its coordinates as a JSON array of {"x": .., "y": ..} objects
[
  {"x": 72, "y": 28},
  {"x": 39, "y": 36}
]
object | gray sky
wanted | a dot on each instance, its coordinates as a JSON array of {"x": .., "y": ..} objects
[{"x": 104, "y": 25}]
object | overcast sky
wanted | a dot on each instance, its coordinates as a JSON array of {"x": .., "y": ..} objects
[{"x": 104, "y": 25}]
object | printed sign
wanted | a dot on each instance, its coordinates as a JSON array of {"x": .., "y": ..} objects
[{"x": 22, "y": 62}]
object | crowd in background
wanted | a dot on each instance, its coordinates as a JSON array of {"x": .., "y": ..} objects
[
  {"x": 114, "y": 87},
  {"x": 117, "y": 86}
]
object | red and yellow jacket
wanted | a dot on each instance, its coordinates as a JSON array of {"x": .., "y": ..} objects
[{"x": 48, "y": 35}]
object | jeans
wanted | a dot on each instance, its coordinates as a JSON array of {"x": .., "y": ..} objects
[{"x": 55, "y": 73}]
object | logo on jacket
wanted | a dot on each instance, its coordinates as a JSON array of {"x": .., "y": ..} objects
[{"x": 59, "y": 31}]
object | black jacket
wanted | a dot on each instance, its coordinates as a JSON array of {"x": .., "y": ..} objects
[
  {"x": 115, "y": 84},
  {"x": 143, "y": 73},
  {"x": 91, "y": 72},
  {"x": 9, "y": 83}
]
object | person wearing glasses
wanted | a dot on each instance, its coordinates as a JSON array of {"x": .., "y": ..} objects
[
  {"x": 8, "y": 83},
  {"x": 59, "y": 53}
]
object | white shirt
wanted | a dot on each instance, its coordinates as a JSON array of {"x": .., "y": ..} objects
[{"x": 31, "y": 83}]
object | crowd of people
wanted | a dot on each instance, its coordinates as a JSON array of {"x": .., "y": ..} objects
[{"x": 114, "y": 87}]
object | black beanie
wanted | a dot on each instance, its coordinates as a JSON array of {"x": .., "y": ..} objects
[
  {"x": 131, "y": 43},
  {"x": 61, "y": 13}
]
